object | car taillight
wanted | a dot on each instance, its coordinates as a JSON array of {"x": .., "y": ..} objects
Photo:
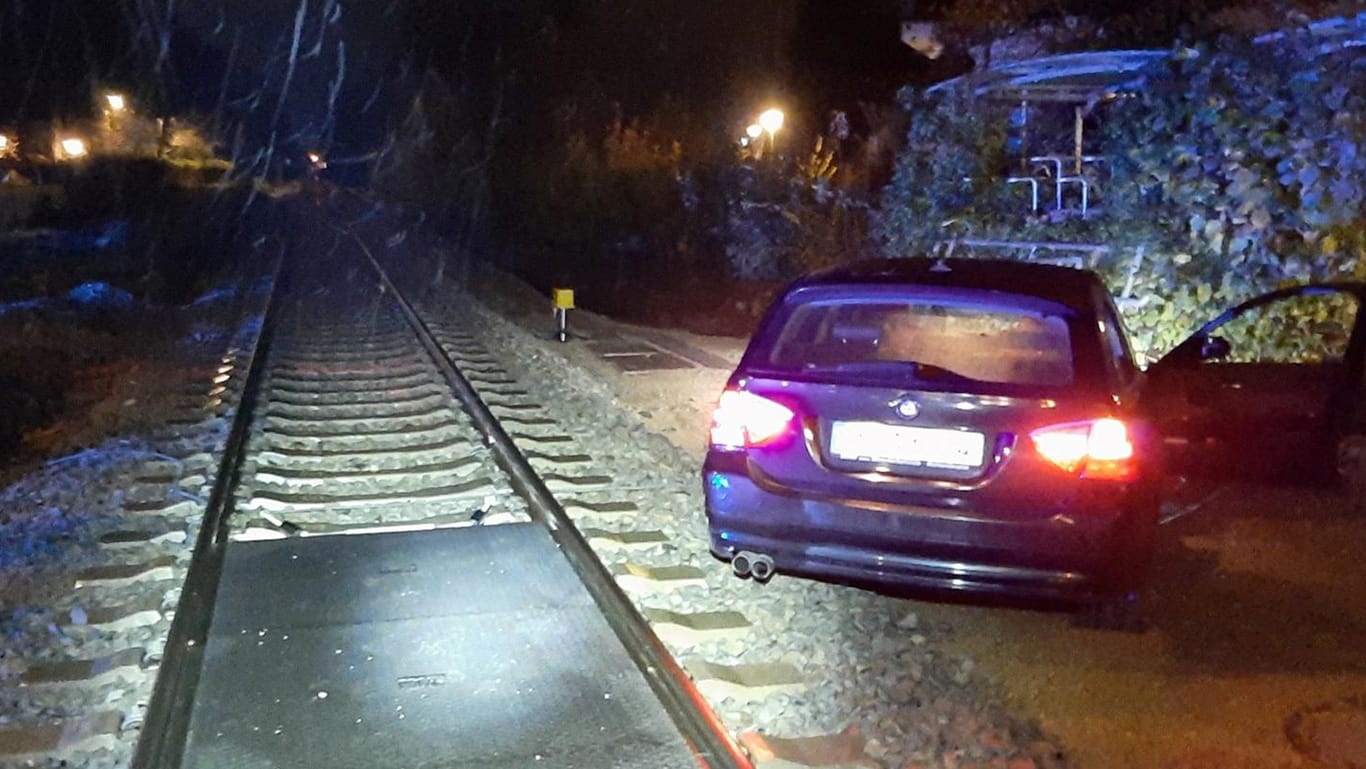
[
  {"x": 1098, "y": 448},
  {"x": 744, "y": 419}
]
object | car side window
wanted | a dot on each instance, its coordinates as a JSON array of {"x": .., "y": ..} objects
[{"x": 1301, "y": 328}]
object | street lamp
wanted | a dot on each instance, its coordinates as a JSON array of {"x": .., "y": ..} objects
[
  {"x": 750, "y": 141},
  {"x": 771, "y": 121},
  {"x": 72, "y": 148},
  {"x": 115, "y": 107},
  {"x": 7, "y": 146}
]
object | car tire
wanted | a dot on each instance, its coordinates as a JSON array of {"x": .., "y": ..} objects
[{"x": 1118, "y": 602}]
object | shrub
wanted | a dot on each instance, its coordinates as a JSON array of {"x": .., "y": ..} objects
[{"x": 1236, "y": 167}]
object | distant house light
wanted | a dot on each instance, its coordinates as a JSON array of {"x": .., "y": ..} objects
[
  {"x": 72, "y": 148},
  {"x": 116, "y": 102}
]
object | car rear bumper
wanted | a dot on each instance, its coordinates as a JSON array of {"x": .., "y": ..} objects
[{"x": 1064, "y": 554}]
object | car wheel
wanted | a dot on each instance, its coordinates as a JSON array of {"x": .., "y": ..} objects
[{"x": 1118, "y": 602}]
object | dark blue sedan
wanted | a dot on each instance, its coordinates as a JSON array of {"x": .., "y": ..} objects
[{"x": 966, "y": 425}]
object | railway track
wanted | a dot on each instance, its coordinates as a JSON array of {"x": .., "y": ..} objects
[
  {"x": 358, "y": 422},
  {"x": 347, "y": 424},
  {"x": 355, "y": 425}
]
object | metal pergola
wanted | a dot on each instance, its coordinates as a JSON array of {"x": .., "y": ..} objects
[
  {"x": 1087, "y": 78},
  {"x": 1078, "y": 78}
]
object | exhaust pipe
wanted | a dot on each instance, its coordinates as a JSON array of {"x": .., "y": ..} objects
[
  {"x": 761, "y": 568},
  {"x": 756, "y": 565},
  {"x": 741, "y": 564}
]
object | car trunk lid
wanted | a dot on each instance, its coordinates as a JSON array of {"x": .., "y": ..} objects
[{"x": 856, "y": 437}]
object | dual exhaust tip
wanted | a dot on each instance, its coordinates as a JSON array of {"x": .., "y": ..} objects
[{"x": 756, "y": 565}]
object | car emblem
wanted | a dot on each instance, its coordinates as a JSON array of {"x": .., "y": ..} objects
[{"x": 905, "y": 408}]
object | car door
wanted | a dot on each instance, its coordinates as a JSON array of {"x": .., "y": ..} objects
[{"x": 1261, "y": 391}]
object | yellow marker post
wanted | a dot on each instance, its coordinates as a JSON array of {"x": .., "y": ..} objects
[{"x": 563, "y": 300}]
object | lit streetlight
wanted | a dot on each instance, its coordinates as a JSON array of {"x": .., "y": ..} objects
[
  {"x": 115, "y": 107},
  {"x": 752, "y": 133},
  {"x": 8, "y": 145},
  {"x": 72, "y": 148},
  {"x": 771, "y": 121}
]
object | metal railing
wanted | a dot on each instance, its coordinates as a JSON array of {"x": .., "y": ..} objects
[{"x": 1061, "y": 178}]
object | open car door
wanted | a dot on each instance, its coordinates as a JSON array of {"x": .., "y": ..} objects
[{"x": 1265, "y": 390}]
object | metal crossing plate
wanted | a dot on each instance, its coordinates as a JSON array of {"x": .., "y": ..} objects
[{"x": 473, "y": 648}]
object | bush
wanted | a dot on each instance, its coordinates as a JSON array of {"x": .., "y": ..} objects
[{"x": 1236, "y": 167}]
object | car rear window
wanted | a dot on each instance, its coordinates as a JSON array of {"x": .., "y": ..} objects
[{"x": 988, "y": 343}]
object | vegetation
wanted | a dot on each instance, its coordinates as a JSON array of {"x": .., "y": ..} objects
[{"x": 1236, "y": 167}]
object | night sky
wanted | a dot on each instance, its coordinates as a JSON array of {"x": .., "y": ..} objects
[
  {"x": 697, "y": 69},
  {"x": 712, "y": 57}
]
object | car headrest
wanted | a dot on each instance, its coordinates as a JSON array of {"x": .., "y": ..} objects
[{"x": 855, "y": 333}]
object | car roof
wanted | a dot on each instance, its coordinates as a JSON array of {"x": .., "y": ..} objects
[{"x": 1067, "y": 286}]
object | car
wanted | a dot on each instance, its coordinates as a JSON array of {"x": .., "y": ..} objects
[{"x": 951, "y": 424}]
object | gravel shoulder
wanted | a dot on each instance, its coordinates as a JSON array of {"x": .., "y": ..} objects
[{"x": 677, "y": 403}]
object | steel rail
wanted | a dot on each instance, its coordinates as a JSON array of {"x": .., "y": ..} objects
[
  {"x": 699, "y": 725},
  {"x": 161, "y": 745}
]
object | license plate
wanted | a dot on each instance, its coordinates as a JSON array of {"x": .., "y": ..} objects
[{"x": 901, "y": 445}]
